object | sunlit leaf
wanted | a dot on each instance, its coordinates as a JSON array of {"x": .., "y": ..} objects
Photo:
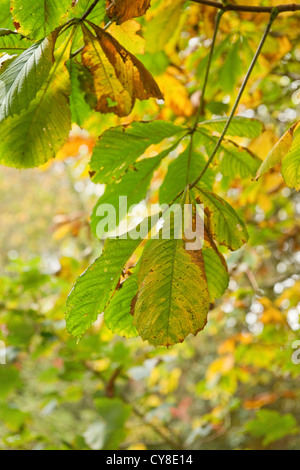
[
  {"x": 224, "y": 225},
  {"x": 239, "y": 127},
  {"x": 117, "y": 315},
  {"x": 119, "y": 77},
  {"x": 123, "y": 10},
  {"x": 94, "y": 289},
  {"x": 12, "y": 42},
  {"x": 188, "y": 165},
  {"x": 173, "y": 298},
  {"x": 134, "y": 185},
  {"x": 291, "y": 163},
  {"x": 119, "y": 147},
  {"x": 36, "y": 135},
  {"x": 278, "y": 152},
  {"x": 39, "y": 18},
  {"x": 23, "y": 78},
  {"x": 215, "y": 269}
]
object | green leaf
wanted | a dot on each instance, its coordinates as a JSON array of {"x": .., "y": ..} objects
[
  {"x": 39, "y": 18},
  {"x": 188, "y": 166},
  {"x": 134, "y": 185},
  {"x": 12, "y": 42},
  {"x": 224, "y": 225},
  {"x": 36, "y": 135},
  {"x": 291, "y": 163},
  {"x": 94, "y": 289},
  {"x": 121, "y": 146},
  {"x": 13, "y": 418},
  {"x": 232, "y": 68},
  {"x": 118, "y": 315},
  {"x": 114, "y": 413},
  {"x": 23, "y": 78},
  {"x": 235, "y": 160},
  {"x": 165, "y": 20},
  {"x": 80, "y": 109},
  {"x": 98, "y": 13},
  {"x": 238, "y": 161},
  {"x": 5, "y": 15},
  {"x": 239, "y": 127},
  {"x": 10, "y": 380},
  {"x": 272, "y": 426},
  {"x": 173, "y": 299},
  {"x": 215, "y": 269}
]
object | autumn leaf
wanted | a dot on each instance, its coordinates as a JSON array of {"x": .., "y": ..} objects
[
  {"x": 223, "y": 223},
  {"x": 119, "y": 77},
  {"x": 123, "y": 10},
  {"x": 39, "y": 18},
  {"x": 173, "y": 297},
  {"x": 278, "y": 152},
  {"x": 291, "y": 163}
]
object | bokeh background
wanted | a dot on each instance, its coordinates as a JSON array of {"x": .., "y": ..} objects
[{"x": 234, "y": 386}]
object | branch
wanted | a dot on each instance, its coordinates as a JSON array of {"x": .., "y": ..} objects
[
  {"x": 249, "y": 9},
  {"x": 89, "y": 10},
  {"x": 273, "y": 16},
  {"x": 201, "y": 105}
]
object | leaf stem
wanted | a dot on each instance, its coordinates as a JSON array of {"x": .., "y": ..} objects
[
  {"x": 212, "y": 48},
  {"x": 202, "y": 102},
  {"x": 273, "y": 16}
]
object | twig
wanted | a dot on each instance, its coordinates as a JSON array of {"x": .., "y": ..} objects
[
  {"x": 249, "y": 8},
  {"x": 174, "y": 445},
  {"x": 201, "y": 105},
  {"x": 273, "y": 16}
]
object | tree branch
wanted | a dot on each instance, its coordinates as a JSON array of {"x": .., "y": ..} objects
[
  {"x": 273, "y": 16},
  {"x": 249, "y": 8},
  {"x": 89, "y": 10}
]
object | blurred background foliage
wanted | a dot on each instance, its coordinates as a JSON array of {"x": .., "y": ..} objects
[{"x": 234, "y": 386}]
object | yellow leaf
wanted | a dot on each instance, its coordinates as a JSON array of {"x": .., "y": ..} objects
[
  {"x": 175, "y": 94},
  {"x": 119, "y": 77},
  {"x": 128, "y": 35},
  {"x": 278, "y": 152},
  {"x": 111, "y": 95},
  {"x": 123, "y": 10}
]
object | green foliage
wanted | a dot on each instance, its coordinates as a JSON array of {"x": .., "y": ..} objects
[
  {"x": 12, "y": 42},
  {"x": 24, "y": 77},
  {"x": 48, "y": 117},
  {"x": 40, "y": 18},
  {"x": 134, "y": 185},
  {"x": 225, "y": 226},
  {"x": 272, "y": 426},
  {"x": 113, "y": 153},
  {"x": 172, "y": 299},
  {"x": 76, "y": 81},
  {"x": 188, "y": 165},
  {"x": 291, "y": 164},
  {"x": 94, "y": 289}
]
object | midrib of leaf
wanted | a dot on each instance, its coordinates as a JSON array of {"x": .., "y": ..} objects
[
  {"x": 171, "y": 286},
  {"x": 102, "y": 65},
  {"x": 187, "y": 179}
]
